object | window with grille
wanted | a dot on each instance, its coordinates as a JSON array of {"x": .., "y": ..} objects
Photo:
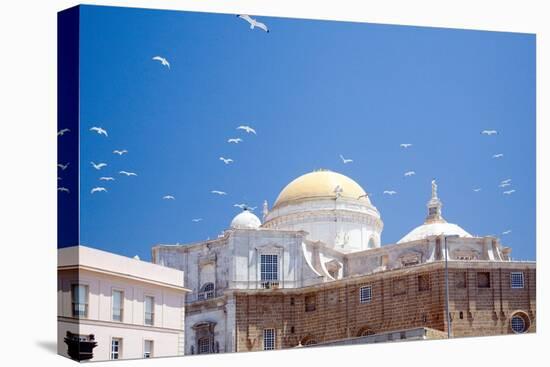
[
  {"x": 116, "y": 348},
  {"x": 518, "y": 324},
  {"x": 516, "y": 280},
  {"x": 269, "y": 270},
  {"x": 79, "y": 298},
  {"x": 118, "y": 304},
  {"x": 204, "y": 345},
  {"x": 147, "y": 349},
  {"x": 206, "y": 292},
  {"x": 365, "y": 294},
  {"x": 149, "y": 310},
  {"x": 269, "y": 339}
]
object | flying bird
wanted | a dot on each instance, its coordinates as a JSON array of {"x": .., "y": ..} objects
[
  {"x": 246, "y": 128},
  {"x": 406, "y": 145},
  {"x": 63, "y": 166},
  {"x": 253, "y": 22},
  {"x": 107, "y": 178},
  {"x": 234, "y": 140},
  {"x": 507, "y": 232},
  {"x": 63, "y": 189},
  {"x": 477, "y": 189},
  {"x": 345, "y": 160},
  {"x": 489, "y": 132},
  {"x": 509, "y": 192},
  {"x": 99, "y": 165},
  {"x": 120, "y": 152},
  {"x": 128, "y": 173},
  {"x": 168, "y": 197},
  {"x": 242, "y": 206},
  {"x": 217, "y": 192},
  {"x": 499, "y": 155},
  {"x": 409, "y": 173},
  {"x": 226, "y": 160},
  {"x": 505, "y": 184},
  {"x": 196, "y": 220},
  {"x": 99, "y": 130},
  {"x": 390, "y": 192},
  {"x": 98, "y": 189},
  {"x": 62, "y": 132},
  {"x": 163, "y": 61}
]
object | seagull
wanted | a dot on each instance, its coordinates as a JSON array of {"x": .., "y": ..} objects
[
  {"x": 120, "y": 152},
  {"x": 242, "y": 206},
  {"x": 489, "y": 132},
  {"x": 409, "y": 173},
  {"x": 477, "y": 189},
  {"x": 406, "y": 145},
  {"x": 62, "y": 132},
  {"x": 226, "y": 160},
  {"x": 196, "y": 220},
  {"x": 253, "y": 22},
  {"x": 99, "y": 130},
  {"x": 509, "y": 192},
  {"x": 107, "y": 178},
  {"x": 390, "y": 192},
  {"x": 507, "y": 232},
  {"x": 98, "y": 189},
  {"x": 163, "y": 61},
  {"x": 128, "y": 173},
  {"x": 168, "y": 197},
  {"x": 217, "y": 192},
  {"x": 99, "y": 165},
  {"x": 63, "y": 166},
  {"x": 508, "y": 180},
  {"x": 246, "y": 128},
  {"x": 63, "y": 189},
  {"x": 234, "y": 140},
  {"x": 346, "y": 161},
  {"x": 504, "y": 184},
  {"x": 499, "y": 155}
]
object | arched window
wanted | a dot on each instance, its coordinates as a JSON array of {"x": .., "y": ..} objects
[
  {"x": 372, "y": 243},
  {"x": 206, "y": 292}
]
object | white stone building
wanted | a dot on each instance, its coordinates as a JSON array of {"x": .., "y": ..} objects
[
  {"x": 322, "y": 228},
  {"x": 134, "y": 309}
]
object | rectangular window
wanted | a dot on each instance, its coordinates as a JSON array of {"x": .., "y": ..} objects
[
  {"x": 149, "y": 310},
  {"x": 460, "y": 280},
  {"x": 423, "y": 282},
  {"x": 269, "y": 270},
  {"x": 365, "y": 294},
  {"x": 516, "y": 280},
  {"x": 118, "y": 303},
  {"x": 269, "y": 339},
  {"x": 147, "y": 349},
  {"x": 310, "y": 302},
  {"x": 116, "y": 348},
  {"x": 204, "y": 345},
  {"x": 79, "y": 298},
  {"x": 483, "y": 280}
]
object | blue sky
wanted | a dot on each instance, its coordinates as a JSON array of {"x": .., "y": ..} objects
[{"x": 312, "y": 90}]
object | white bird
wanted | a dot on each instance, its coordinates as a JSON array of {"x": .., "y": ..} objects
[
  {"x": 128, "y": 173},
  {"x": 196, "y": 220},
  {"x": 246, "y": 128},
  {"x": 406, "y": 145},
  {"x": 99, "y": 130},
  {"x": 120, "y": 152},
  {"x": 477, "y": 189},
  {"x": 99, "y": 165},
  {"x": 62, "y": 132},
  {"x": 409, "y": 173},
  {"x": 508, "y": 180},
  {"x": 107, "y": 178},
  {"x": 234, "y": 140},
  {"x": 509, "y": 192},
  {"x": 63, "y": 166},
  {"x": 226, "y": 160},
  {"x": 390, "y": 192},
  {"x": 505, "y": 184},
  {"x": 253, "y": 22},
  {"x": 217, "y": 192},
  {"x": 489, "y": 132},
  {"x": 499, "y": 155},
  {"x": 98, "y": 189},
  {"x": 163, "y": 61},
  {"x": 345, "y": 160},
  {"x": 242, "y": 206},
  {"x": 63, "y": 189},
  {"x": 507, "y": 232},
  {"x": 168, "y": 197}
]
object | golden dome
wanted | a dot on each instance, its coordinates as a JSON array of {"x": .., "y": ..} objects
[{"x": 321, "y": 184}]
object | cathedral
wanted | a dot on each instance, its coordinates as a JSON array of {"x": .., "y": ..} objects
[{"x": 313, "y": 271}]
